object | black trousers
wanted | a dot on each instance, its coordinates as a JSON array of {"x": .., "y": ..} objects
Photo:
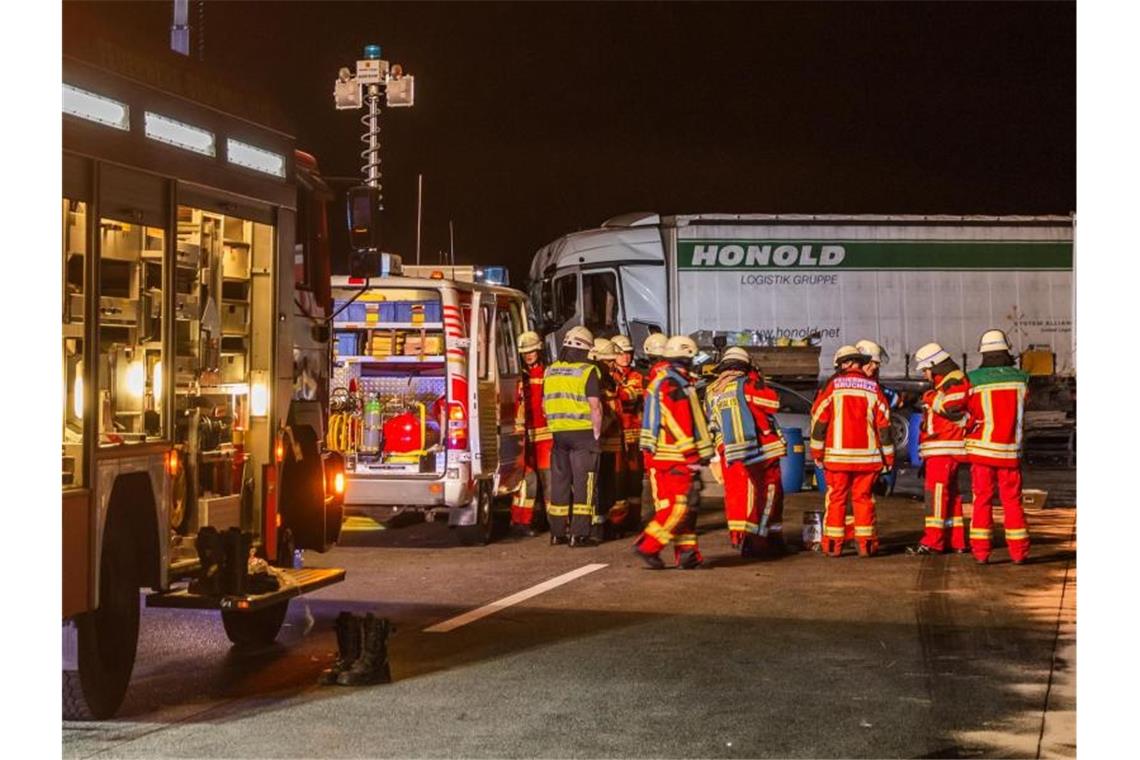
[{"x": 573, "y": 484}]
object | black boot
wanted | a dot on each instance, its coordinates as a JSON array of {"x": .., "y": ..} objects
[
  {"x": 348, "y": 636},
  {"x": 372, "y": 665},
  {"x": 211, "y": 559}
]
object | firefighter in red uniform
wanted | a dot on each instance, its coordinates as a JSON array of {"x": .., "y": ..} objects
[
  {"x": 941, "y": 444},
  {"x": 675, "y": 441},
  {"x": 749, "y": 446},
  {"x": 631, "y": 390},
  {"x": 851, "y": 438},
  {"x": 528, "y": 510},
  {"x": 611, "y": 514},
  {"x": 993, "y": 447}
]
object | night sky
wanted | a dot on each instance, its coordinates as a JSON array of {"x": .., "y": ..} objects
[{"x": 536, "y": 119}]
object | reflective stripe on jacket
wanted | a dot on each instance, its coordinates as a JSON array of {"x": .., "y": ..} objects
[
  {"x": 531, "y": 418},
  {"x": 738, "y": 408},
  {"x": 944, "y": 417},
  {"x": 564, "y": 400},
  {"x": 673, "y": 427},
  {"x": 851, "y": 426},
  {"x": 997, "y": 407}
]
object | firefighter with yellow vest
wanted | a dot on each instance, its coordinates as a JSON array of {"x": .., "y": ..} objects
[
  {"x": 675, "y": 441},
  {"x": 571, "y": 400}
]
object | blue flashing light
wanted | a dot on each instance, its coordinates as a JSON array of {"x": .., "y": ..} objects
[
  {"x": 372, "y": 52},
  {"x": 493, "y": 275}
]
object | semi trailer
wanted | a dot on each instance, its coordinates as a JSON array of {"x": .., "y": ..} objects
[{"x": 821, "y": 281}]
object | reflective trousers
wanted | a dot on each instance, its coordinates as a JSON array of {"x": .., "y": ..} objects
[
  {"x": 529, "y": 504},
  {"x": 856, "y": 486},
  {"x": 944, "y": 521},
  {"x": 573, "y": 485},
  {"x": 1006, "y": 481},
  {"x": 672, "y": 521},
  {"x": 753, "y": 501}
]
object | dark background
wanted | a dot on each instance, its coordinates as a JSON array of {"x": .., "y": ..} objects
[{"x": 536, "y": 119}]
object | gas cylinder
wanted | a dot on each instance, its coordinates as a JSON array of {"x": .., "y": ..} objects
[{"x": 371, "y": 440}]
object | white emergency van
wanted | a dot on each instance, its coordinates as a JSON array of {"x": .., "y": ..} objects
[{"x": 425, "y": 379}]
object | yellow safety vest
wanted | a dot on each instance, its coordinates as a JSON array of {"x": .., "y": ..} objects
[{"x": 564, "y": 396}]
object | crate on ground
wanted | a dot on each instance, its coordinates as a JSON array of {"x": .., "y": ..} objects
[{"x": 1032, "y": 498}]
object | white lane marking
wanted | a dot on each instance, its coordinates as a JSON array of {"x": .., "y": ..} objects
[{"x": 507, "y": 601}]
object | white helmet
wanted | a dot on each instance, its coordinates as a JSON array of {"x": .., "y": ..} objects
[
  {"x": 655, "y": 344},
  {"x": 529, "y": 341},
  {"x": 929, "y": 355},
  {"x": 680, "y": 347},
  {"x": 603, "y": 349},
  {"x": 735, "y": 354},
  {"x": 993, "y": 340},
  {"x": 848, "y": 354},
  {"x": 873, "y": 351},
  {"x": 578, "y": 337},
  {"x": 623, "y": 344}
]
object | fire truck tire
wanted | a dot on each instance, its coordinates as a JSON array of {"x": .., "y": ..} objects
[
  {"x": 483, "y": 530},
  {"x": 108, "y": 640},
  {"x": 302, "y": 492},
  {"x": 257, "y": 628}
]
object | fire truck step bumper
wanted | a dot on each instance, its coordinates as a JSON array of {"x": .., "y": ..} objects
[{"x": 297, "y": 582}]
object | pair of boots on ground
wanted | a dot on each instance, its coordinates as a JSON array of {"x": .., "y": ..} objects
[{"x": 362, "y": 651}]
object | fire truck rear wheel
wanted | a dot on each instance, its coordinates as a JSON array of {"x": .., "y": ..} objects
[
  {"x": 483, "y": 530},
  {"x": 108, "y": 640},
  {"x": 257, "y": 628}
]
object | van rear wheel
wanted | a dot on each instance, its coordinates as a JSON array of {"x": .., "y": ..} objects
[{"x": 483, "y": 530}]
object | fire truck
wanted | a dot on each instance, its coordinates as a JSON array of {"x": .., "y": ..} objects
[{"x": 194, "y": 297}]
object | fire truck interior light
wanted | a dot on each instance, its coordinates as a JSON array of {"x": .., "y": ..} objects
[
  {"x": 258, "y": 159},
  {"x": 136, "y": 379},
  {"x": 96, "y": 108},
  {"x": 180, "y": 135},
  {"x": 156, "y": 378},
  {"x": 77, "y": 392},
  {"x": 259, "y": 397}
]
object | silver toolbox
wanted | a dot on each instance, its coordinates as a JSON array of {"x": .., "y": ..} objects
[
  {"x": 121, "y": 311},
  {"x": 235, "y": 318},
  {"x": 233, "y": 368},
  {"x": 220, "y": 511},
  {"x": 235, "y": 262}
]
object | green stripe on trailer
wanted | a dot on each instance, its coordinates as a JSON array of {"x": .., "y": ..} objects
[{"x": 744, "y": 255}]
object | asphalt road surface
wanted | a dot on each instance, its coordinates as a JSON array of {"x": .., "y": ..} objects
[{"x": 803, "y": 656}]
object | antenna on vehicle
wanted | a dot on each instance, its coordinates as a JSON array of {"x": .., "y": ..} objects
[
  {"x": 419, "y": 214},
  {"x": 451, "y": 234}
]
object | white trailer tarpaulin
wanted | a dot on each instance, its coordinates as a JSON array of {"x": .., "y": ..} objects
[{"x": 901, "y": 285}]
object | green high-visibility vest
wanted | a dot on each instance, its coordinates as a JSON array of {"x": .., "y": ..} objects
[{"x": 564, "y": 396}]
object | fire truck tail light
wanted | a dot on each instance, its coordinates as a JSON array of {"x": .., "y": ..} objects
[
  {"x": 279, "y": 451},
  {"x": 172, "y": 463},
  {"x": 456, "y": 425},
  {"x": 338, "y": 483}
]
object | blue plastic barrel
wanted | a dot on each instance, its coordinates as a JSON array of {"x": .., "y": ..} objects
[
  {"x": 792, "y": 465},
  {"x": 820, "y": 483},
  {"x": 914, "y": 425}
]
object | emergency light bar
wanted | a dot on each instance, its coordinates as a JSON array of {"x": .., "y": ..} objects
[{"x": 496, "y": 275}]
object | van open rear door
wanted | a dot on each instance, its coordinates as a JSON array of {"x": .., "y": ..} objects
[{"x": 482, "y": 387}]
